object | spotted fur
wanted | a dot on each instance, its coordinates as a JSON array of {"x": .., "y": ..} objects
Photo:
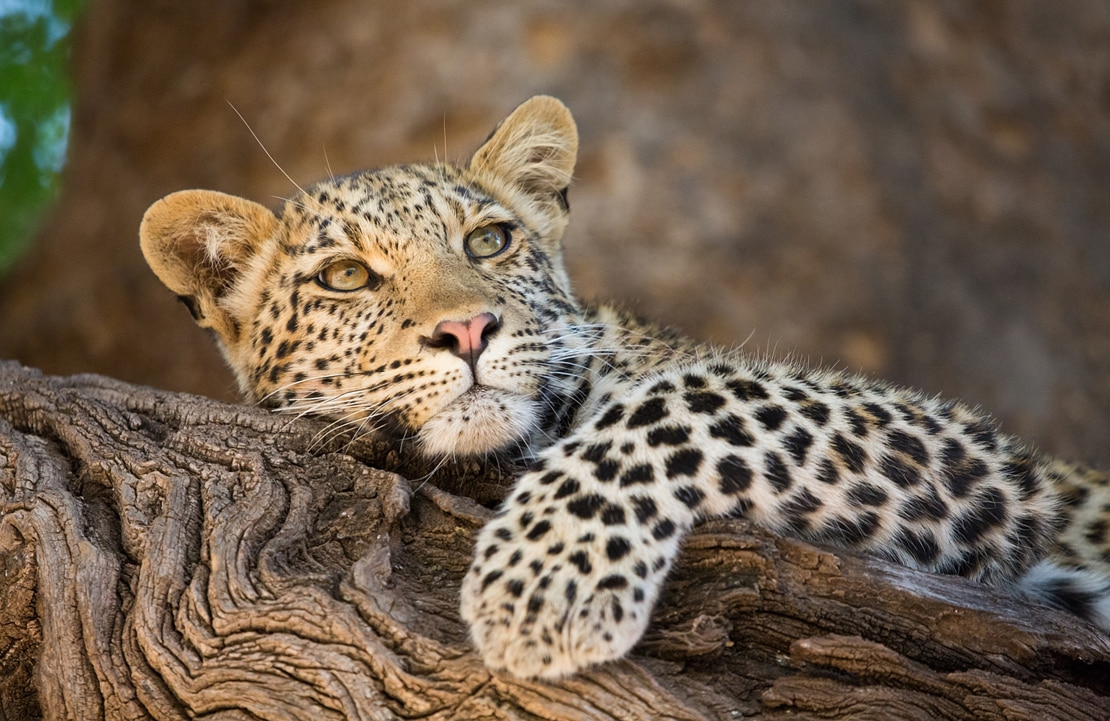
[{"x": 428, "y": 303}]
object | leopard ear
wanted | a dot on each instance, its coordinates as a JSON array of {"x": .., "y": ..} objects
[
  {"x": 198, "y": 242},
  {"x": 534, "y": 148}
]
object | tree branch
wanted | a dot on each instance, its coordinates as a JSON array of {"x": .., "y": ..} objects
[{"x": 166, "y": 556}]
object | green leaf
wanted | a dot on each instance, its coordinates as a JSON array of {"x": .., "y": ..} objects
[{"x": 34, "y": 114}]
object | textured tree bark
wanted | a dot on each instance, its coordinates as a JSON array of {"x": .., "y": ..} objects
[{"x": 165, "y": 556}]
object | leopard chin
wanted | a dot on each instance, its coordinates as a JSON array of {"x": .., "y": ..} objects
[{"x": 479, "y": 422}]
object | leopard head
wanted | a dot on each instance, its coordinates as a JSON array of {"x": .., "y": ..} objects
[{"x": 424, "y": 301}]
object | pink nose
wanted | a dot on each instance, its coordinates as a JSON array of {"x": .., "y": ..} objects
[{"x": 465, "y": 338}]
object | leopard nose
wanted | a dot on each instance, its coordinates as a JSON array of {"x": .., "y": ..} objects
[{"x": 467, "y": 338}]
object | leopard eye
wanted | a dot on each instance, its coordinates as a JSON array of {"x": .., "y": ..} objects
[
  {"x": 345, "y": 276},
  {"x": 487, "y": 241}
]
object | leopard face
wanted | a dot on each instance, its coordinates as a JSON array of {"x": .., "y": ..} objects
[{"x": 421, "y": 301}]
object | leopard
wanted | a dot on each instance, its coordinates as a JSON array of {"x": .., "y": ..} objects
[{"x": 428, "y": 304}]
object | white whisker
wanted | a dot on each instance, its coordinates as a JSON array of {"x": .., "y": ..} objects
[{"x": 263, "y": 146}]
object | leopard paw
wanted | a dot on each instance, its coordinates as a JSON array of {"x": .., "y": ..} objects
[{"x": 551, "y": 592}]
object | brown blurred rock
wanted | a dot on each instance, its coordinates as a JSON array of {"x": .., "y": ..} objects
[{"x": 917, "y": 189}]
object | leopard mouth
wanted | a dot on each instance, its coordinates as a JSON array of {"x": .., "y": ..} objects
[{"x": 480, "y": 421}]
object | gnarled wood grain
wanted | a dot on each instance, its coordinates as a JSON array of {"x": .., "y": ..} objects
[{"x": 166, "y": 556}]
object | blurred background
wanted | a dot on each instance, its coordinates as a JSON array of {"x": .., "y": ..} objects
[{"x": 917, "y": 189}]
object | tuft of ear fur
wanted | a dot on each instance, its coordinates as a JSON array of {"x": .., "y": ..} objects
[
  {"x": 533, "y": 149},
  {"x": 198, "y": 242}
]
